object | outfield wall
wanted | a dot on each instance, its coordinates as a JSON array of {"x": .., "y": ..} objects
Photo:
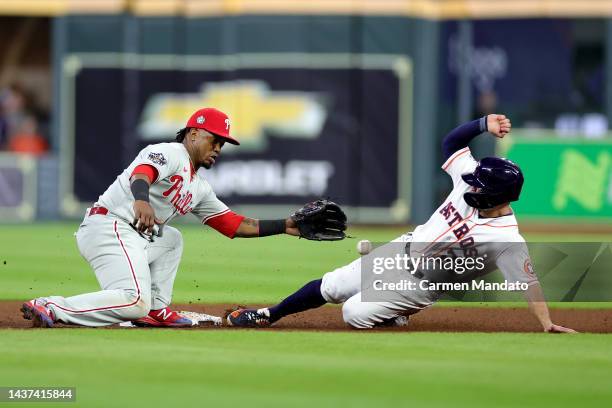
[
  {"x": 339, "y": 99},
  {"x": 324, "y": 106}
]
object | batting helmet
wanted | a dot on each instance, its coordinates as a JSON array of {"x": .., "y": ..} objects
[{"x": 499, "y": 181}]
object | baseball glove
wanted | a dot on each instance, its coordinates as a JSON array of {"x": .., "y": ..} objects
[{"x": 321, "y": 220}]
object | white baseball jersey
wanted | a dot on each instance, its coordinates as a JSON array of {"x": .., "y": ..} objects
[
  {"x": 456, "y": 225},
  {"x": 177, "y": 191}
]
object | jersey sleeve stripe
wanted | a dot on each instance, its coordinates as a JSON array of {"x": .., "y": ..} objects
[
  {"x": 227, "y": 224},
  {"x": 455, "y": 155},
  {"x": 205, "y": 220},
  {"x": 148, "y": 170}
]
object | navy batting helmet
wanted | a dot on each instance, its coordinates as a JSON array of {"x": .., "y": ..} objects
[{"x": 499, "y": 180}]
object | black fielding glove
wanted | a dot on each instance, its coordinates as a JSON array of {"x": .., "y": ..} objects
[{"x": 321, "y": 220}]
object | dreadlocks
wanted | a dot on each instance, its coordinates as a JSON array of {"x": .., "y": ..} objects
[{"x": 180, "y": 135}]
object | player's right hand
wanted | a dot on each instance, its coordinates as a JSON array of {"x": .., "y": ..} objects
[
  {"x": 498, "y": 125},
  {"x": 555, "y": 328},
  {"x": 144, "y": 217}
]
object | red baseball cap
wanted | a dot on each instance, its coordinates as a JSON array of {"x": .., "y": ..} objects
[{"x": 213, "y": 121}]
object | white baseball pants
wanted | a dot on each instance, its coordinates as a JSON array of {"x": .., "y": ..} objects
[
  {"x": 135, "y": 275},
  {"x": 343, "y": 285}
]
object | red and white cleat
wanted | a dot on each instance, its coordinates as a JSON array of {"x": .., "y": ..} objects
[
  {"x": 35, "y": 311},
  {"x": 163, "y": 318}
]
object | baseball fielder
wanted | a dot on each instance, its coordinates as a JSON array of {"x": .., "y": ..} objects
[
  {"x": 133, "y": 251},
  {"x": 475, "y": 218}
]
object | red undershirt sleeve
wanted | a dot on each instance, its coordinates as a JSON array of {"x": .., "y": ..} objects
[
  {"x": 226, "y": 223},
  {"x": 147, "y": 170}
]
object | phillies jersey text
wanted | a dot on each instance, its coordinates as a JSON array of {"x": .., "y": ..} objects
[{"x": 177, "y": 190}]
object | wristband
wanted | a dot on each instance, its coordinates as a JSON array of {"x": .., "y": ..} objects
[
  {"x": 271, "y": 227},
  {"x": 140, "y": 190},
  {"x": 483, "y": 124}
]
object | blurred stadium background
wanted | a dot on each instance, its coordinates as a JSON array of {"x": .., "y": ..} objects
[{"x": 338, "y": 98}]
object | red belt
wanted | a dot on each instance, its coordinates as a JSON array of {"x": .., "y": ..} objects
[{"x": 98, "y": 210}]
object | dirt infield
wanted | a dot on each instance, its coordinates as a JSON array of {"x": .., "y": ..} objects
[{"x": 437, "y": 319}]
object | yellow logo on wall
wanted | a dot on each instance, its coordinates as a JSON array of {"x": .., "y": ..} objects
[{"x": 252, "y": 107}]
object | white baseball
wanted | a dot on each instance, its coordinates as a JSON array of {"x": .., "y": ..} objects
[{"x": 364, "y": 247}]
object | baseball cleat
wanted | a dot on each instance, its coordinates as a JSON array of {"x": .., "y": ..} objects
[
  {"x": 163, "y": 318},
  {"x": 398, "y": 321},
  {"x": 41, "y": 316},
  {"x": 249, "y": 318}
]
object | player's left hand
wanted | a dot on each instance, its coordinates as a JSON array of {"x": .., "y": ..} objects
[
  {"x": 555, "y": 328},
  {"x": 498, "y": 125},
  {"x": 291, "y": 227}
]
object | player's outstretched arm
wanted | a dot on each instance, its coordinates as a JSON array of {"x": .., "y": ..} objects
[
  {"x": 539, "y": 308},
  {"x": 320, "y": 220},
  {"x": 461, "y": 136},
  {"x": 252, "y": 228}
]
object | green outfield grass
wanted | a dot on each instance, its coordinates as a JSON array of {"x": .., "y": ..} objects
[
  {"x": 244, "y": 368},
  {"x": 42, "y": 259},
  {"x": 173, "y": 368}
]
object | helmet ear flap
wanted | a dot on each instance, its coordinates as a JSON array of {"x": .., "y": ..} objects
[
  {"x": 482, "y": 200},
  {"x": 475, "y": 200}
]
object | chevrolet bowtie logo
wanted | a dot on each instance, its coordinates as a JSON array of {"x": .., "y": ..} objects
[{"x": 253, "y": 108}]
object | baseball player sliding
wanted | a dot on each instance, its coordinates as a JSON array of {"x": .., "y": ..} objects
[
  {"x": 475, "y": 219},
  {"x": 135, "y": 255}
]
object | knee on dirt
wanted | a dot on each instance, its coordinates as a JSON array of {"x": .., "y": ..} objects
[
  {"x": 139, "y": 309},
  {"x": 355, "y": 316}
]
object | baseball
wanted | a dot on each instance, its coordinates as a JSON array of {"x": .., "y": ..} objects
[{"x": 364, "y": 247}]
